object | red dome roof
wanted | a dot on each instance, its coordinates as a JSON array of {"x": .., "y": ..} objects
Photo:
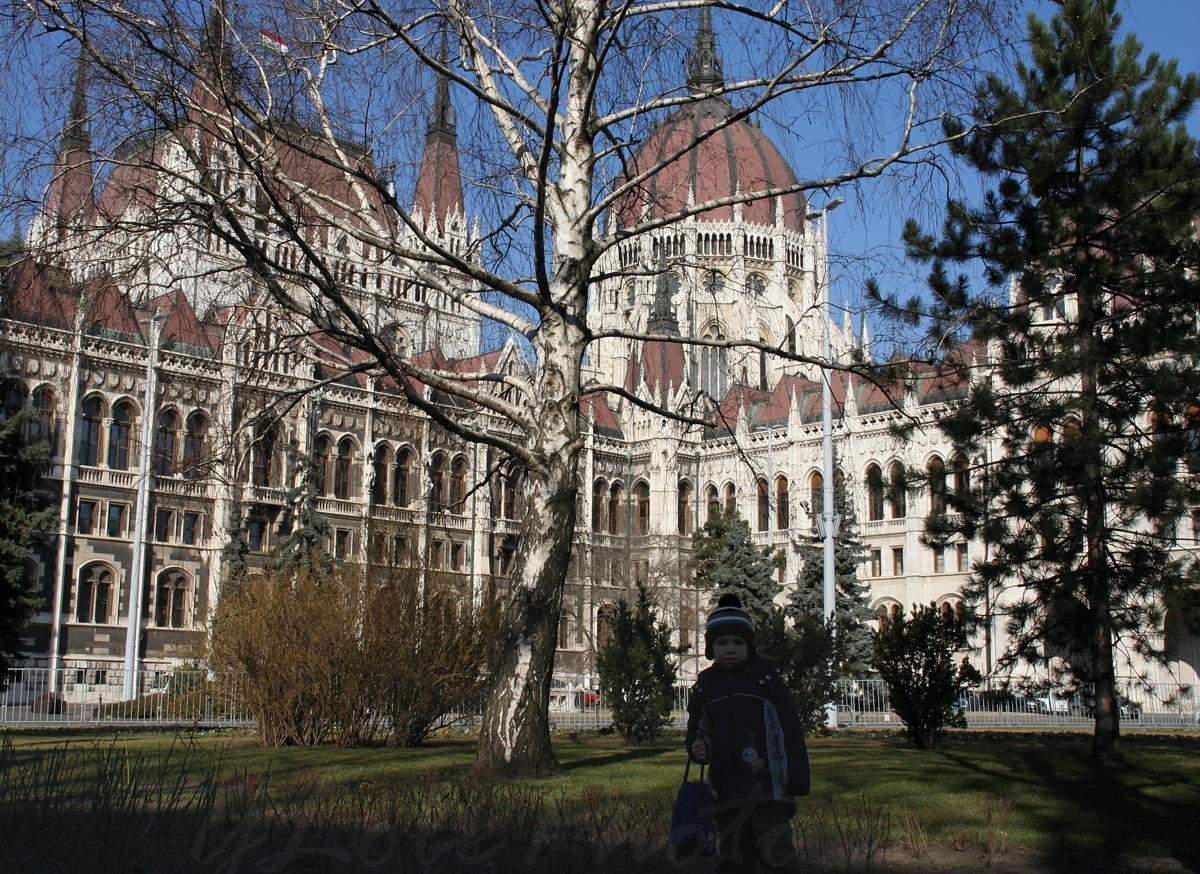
[{"x": 737, "y": 159}]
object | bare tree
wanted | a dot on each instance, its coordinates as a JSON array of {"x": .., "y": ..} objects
[{"x": 262, "y": 147}]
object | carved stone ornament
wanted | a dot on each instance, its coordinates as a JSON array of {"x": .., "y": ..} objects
[
  {"x": 34, "y": 366},
  {"x": 128, "y": 382}
]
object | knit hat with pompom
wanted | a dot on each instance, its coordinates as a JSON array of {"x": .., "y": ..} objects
[{"x": 728, "y": 618}]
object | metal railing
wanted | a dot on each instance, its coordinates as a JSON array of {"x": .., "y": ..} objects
[{"x": 93, "y": 696}]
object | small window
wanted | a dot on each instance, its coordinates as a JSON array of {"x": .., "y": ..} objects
[
  {"x": 341, "y": 543},
  {"x": 456, "y": 556},
  {"x": 256, "y": 532},
  {"x": 898, "y": 561},
  {"x": 962, "y": 557},
  {"x": 164, "y": 525},
  {"x": 116, "y": 520},
  {"x": 400, "y": 477},
  {"x": 939, "y": 559},
  {"x": 876, "y": 562},
  {"x": 85, "y": 519},
  {"x": 937, "y": 486},
  {"x": 191, "y": 523}
]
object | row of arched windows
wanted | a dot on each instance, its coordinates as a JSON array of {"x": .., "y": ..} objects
[
  {"x": 40, "y": 425},
  {"x": 96, "y": 597},
  {"x": 180, "y": 447},
  {"x": 893, "y": 492}
]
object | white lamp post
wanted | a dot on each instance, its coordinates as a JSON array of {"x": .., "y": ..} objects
[{"x": 830, "y": 520}]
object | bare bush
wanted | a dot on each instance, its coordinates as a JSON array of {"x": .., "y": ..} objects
[{"x": 324, "y": 653}]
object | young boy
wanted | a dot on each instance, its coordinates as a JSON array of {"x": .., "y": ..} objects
[{"x": 742, "y": 723}]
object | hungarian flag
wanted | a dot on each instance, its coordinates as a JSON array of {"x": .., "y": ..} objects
[{"x": 273, "y": 42}]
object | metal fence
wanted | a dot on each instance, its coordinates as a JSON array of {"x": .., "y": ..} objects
[{"x": 94, "y": 696}]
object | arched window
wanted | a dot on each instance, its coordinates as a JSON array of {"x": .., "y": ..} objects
[
  {"x": 606, "y": 620},
  {"x": 94, "y": 598},
  {"x": 41, "y": 426},
  {"x": 962, "y": 478},
  {"x": 120, "y": 432},
  {"x": 684, "y": 509},
  {"x": 12, "y": 398},
  {"x": 321, "y": 459},
  {"x": 874, "y": 493},
  {"x": 195, "y": 438},
  {"x": 510, "y": 494},
  {"x": 458, "y": 486},
  {"x": 401, "y": 477},
  {"x": 343, "y": 469},
  {"x": 615, "y": 496},
  {"x": 1042, "y": 449},
  {"x": 262, "y": 457},
  {"x": 90, "y": 425},
  {"x": 714, "y": 366},
  {"x": 164, "y": 443},
  {"x": 379, "y": 474},
  {"x": 712, "y": 501},
  {"x": 1191, "y": 437},
  {"x": 599, "y": 490},
  {"x": 642, "y": 493},
  {"x": 437, "y": 483},
  {"x": 937, "y": 485},
  {"x": 816, "y": 495},
  {"x": 783, "y": 513},
  {"x": 881, "y": 617},
  {"x": 898, "y": 487},
  {"x": 172, "y": 596},
  {"x": 763, "y": 494},
  {"x": 791, "y": 336},
  {"x": 730, "y": 497}
]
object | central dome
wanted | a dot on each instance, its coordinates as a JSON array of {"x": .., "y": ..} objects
[
  {"x": 706, "y": 153},
  {"x": 706, "y": 156}
]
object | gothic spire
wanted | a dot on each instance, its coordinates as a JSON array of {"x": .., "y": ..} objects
[
  {"x": 439, "y": 182},
  {"x": 662, "y": 315},
  {"x": 72, "y": 189},
  {"x": 441, "y": 117},
  {"x": 704, "y": 65}
]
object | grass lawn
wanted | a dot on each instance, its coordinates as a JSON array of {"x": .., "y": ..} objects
[{"x": 1017, "y": 789}]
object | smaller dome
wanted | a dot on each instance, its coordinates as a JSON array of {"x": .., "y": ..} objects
[{"x": 728, "y": 158}]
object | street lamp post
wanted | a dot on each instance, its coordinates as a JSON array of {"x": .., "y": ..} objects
[
  {"x": 830, "y": 520},
  {"x": 133, "y": 638}
]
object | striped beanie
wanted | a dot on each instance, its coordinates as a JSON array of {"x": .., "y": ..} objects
[{"x": 728, "y": 618}]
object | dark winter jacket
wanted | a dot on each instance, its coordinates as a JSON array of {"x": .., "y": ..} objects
[{"x": 752, "y": 731}]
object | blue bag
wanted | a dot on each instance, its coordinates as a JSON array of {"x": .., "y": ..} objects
[{"x": 693, "y": 828}]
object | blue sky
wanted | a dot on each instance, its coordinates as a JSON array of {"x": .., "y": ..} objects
[{"x": 865, "y": 238}]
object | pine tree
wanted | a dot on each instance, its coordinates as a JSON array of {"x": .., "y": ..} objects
[
  {"x": 1087, "y": 250},
  {"x": 305, "y": 545},
  {"x": 637, "y": 671},
  {"x": 24, "y": 518},
  {"x": 728, "y": 562},
  {"x": 852, "y": 602}
]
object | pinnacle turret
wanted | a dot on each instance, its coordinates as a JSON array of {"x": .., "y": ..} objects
[{"x": 704, "y": 66}]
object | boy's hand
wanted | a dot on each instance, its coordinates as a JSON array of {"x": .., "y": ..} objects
[{"x": 699, "y": 750}]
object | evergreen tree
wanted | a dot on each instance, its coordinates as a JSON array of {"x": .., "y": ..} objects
[
  {"x": 637, "y": 671},
  {"x": 24, "y": 518},
  {"x": 235, "y": 550},
  {"x": 852, "y": 601},
  {"x": 1087, "y": 250},
  {"x": 727, "y": 562},
  {"x": 305, "y": 545},
  {"x": 915, "y": 658}
]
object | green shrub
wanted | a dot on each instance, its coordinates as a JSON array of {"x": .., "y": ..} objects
[{"x": 915, "y": 658}]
